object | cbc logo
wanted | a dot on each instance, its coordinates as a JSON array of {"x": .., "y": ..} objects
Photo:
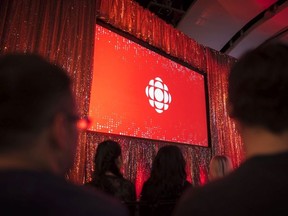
[{"x": 158, "y": 95}]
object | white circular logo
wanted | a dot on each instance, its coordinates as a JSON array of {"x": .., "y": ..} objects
[{"x": 158, "y": 95}]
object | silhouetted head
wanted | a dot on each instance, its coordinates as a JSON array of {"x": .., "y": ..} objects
[
  {"x": 220, "y": 166},
  {"x": 258, "y": 86},
  {"x": 108, "y": 158},
  {"x": 37, "y": 114},
  {"x": 168, "y": 165}
]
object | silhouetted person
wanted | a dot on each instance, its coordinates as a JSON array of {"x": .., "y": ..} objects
[
  {"x": 258, "y": 101},
  {"x": 107, "y": 176},
  {"x": 220, "y": 166},
  {"x": 166, "y": 183},
  {"x": 38, "y": 138}
]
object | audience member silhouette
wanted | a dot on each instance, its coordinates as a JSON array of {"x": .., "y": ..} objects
[
  {"x": 166, "y": 183},
  {"x": 107, "y": 175},
  {"x": 38, "y": 138},
  {"x": 258, "y": 101},
  {"x": 220, "y": 166}
]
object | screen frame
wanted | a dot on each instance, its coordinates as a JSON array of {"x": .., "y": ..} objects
[{"x": 165, "y": 55}]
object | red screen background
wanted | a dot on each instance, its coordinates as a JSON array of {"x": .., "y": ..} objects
[{"x": 119, "y": 105}]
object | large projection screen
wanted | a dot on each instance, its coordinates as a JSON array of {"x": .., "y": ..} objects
[{"x": 140, "y": 93}]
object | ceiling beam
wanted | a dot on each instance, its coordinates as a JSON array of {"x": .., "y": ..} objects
[{"x": 253, "y": 23}]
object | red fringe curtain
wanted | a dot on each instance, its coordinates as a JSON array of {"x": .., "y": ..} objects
[
  {"x": 63, "y": 31},
  {"x": 128, "y": 16},
  {"x": 224, "y": 136}
]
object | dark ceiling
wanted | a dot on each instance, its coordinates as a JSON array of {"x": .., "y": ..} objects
[
  {"x": 229, "y": 26},
  {"x": 170, "y": 11}
]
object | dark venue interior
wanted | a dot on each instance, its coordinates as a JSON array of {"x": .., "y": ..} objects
[{"x": 208, "y": 36}]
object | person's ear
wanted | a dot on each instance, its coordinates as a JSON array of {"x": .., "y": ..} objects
[
  {"x": 59, "y": 145},
  {"x": 58, "y": 131},
  {"x": 119, "y": 161}
]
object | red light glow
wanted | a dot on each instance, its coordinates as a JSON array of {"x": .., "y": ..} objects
[{"x": 140, "y": 93}]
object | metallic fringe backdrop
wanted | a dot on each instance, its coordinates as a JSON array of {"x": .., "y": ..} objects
[{"x": 63, "y": 31}]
